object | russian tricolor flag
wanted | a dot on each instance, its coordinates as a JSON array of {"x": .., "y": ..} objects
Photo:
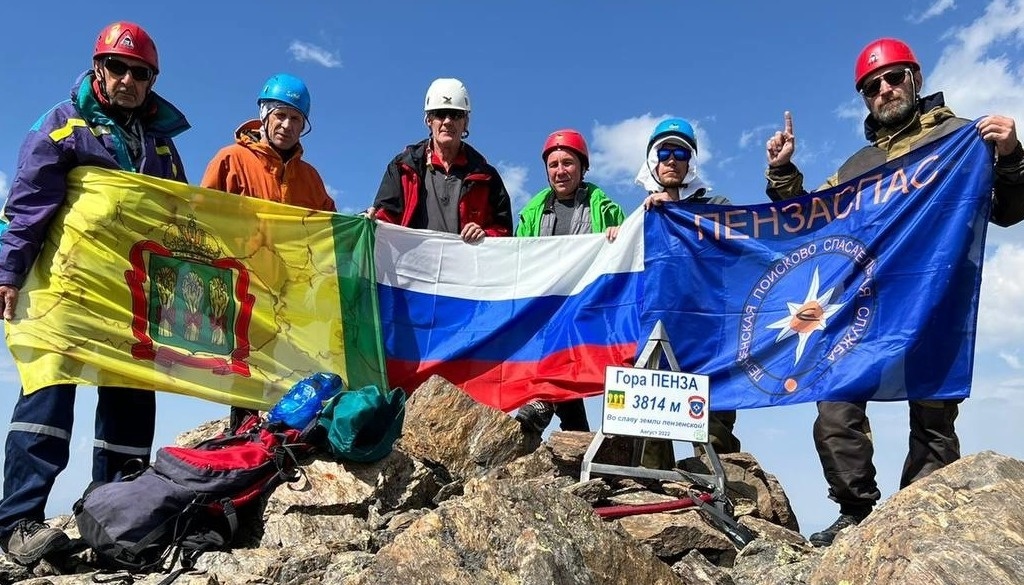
[{"x": 509, "y": 319}]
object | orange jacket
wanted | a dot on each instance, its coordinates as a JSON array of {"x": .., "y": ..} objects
[{"x": 250, "y": 167}]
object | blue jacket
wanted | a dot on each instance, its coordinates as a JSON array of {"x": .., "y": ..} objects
[{"x": 73, "y": 133}]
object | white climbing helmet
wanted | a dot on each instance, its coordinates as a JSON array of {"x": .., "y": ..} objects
[{"x": 446, "y": 93}]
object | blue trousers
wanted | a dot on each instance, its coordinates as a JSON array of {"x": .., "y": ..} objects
[{"x": 39, "y": 444}]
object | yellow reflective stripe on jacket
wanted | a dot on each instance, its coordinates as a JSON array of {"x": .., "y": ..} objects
[
  {"x": 163, "y": 150},
  {"x": 65, "y": 131}
]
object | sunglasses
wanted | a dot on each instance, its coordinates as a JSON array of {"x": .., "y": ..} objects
[
  {"x": 453, "y": 114},
  {"x": 118, "y": 68},
  {"x": 893, "y": 78},
  {"x": 680, "y": 154}
]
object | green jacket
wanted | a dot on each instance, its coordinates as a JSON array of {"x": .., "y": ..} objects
[{"x": 537, "y": 218}]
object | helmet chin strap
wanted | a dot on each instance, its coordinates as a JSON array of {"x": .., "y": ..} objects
[
  {"x": 915, "y": 103},
  {"x": 915, "y": 90}
]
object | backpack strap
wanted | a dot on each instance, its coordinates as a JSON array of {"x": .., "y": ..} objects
[
  {"x": 192, "y": 546},
  {"x": 114, "y": 578}
]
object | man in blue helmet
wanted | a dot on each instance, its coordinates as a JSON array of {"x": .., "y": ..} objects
[
  {"x": 266, "y": 159},
  {"x": 669, "y": 173}
]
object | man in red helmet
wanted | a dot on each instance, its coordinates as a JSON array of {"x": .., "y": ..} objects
[
  {"x": 889, "y": 79},
  {"x": 569, "y": 205},
  {"x": 114, "y": 120}
]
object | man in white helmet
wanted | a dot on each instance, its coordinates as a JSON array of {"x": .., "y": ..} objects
[{"x": 442, "y": 183}]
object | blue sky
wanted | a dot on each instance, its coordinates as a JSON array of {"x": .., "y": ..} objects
[{"x": 609, "y": 69}]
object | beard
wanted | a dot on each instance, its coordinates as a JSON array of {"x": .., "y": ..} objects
[
  {"x": 671, "y": 182},
  {"x": 895, "y": 112}
]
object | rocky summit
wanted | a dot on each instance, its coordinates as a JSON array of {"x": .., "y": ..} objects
[{"x": 468, "y": 498}]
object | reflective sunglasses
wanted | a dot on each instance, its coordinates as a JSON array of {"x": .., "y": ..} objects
[
  {"x": 679, "y": 153},
  {"x": 118, "y": 68},
  {"x": 893, "y": 78},
  {"x": 453, "y": 114}
]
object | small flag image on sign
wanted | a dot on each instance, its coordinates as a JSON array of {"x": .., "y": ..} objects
[{"x": 616, "y": 399}]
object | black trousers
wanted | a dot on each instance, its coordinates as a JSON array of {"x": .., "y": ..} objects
[
  {"x": 842, "y": 436},
  {"x": 572, "y": 415},
  {"x": 720, "y": 426}
]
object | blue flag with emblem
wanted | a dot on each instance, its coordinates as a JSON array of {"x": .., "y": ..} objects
[{"x": 866, "y": 291}]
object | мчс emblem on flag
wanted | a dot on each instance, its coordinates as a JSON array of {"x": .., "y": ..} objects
[
  {"x": 809, "y": 309},
  {"x": 189, "y": 305}
]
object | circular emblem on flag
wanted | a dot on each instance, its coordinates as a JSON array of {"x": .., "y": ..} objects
[{"x": 807, "y": 311}]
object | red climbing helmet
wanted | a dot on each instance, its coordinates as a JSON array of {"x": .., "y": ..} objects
[
  {"x": 127, "y": 39},
  {"x": 882, "y": 53},
  {"x": 570, "y": 140}
]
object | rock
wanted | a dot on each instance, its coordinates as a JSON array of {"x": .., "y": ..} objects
[
  {"x": 776, "y": 562},
  {"x": 445, "y": 425},
  {"x": 961, "y": 524},
  {"x": 512, "y": 532},
  {"x": 467, "y": 498},
  {"x": 753, "y": 491},
  {"x": 695, "y": 569}
]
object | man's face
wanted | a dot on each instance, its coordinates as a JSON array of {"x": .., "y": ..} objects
[
  {"x": 284, "y": 127},
  {"x": 126, "y": 80},
  {"x": 447, "y": 126},
  {"x": 890, "y": 94},
  {"x": 564, "y": 173},
  {"x": 673, "y": 163}
]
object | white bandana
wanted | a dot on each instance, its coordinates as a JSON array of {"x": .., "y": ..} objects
[{"x": 645, "y": 177}]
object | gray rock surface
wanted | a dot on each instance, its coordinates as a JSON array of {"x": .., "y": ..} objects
[{"x": 468, "y": 498}]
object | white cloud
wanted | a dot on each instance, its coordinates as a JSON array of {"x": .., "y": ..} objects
[
  {"x": 514, "y": 177},
  {"x": 758, "y": 135},
  {"x": 936, "y": 9},
  {"x": 302, "y": 51},
  {"x": 974, "y": 72},
  {"x": 3, "y": 188},
  {"x": 336, "y": 195},
  {"x": 617, "y": 150},
  {"x": 1011, "y": 359},
  {"x": 1000, "y": 320}
]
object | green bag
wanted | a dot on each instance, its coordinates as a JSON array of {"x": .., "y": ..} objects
[{"x": 362, "y": 425}]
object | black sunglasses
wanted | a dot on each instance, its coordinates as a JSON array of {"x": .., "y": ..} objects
[
  {"x": 118, "y": 68},
  {"x": 453, "y": 114},
  {"x": 893, "y": 78},
  {"x": 680, "y": 154}
]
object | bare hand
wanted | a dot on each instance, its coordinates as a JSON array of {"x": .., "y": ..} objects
[
  {"x": 1001, "y": 130},
  {"x": 611, "y": 233},
  {"x": 780, "y": 147},
  {"x": 8, "y": 301},
  {"x": 656, "y": 199},
  {"x": 370, "y": 212},
  {"x": 472, "y": 232}
]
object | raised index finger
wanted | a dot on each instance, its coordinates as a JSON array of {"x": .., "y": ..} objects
[{"x": 788, "y": 122}]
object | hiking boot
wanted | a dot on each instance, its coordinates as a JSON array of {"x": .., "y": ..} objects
[
  {"x": 825, "y": 537},
  {"x": 535, "y": 415},
  {"x": 31, "y": 541}
]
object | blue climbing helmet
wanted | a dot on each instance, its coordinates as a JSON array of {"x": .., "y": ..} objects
[
  {"x": 674, "y": 127},
  {"x": 287, "y": 89}
]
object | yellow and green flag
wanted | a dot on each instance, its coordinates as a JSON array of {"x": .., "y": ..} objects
[{"x": 147, "y": 283}]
